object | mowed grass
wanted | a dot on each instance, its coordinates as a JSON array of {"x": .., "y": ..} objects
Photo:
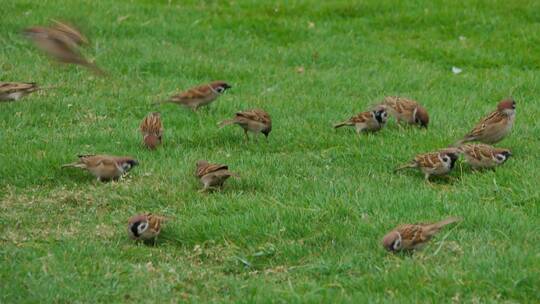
[{"x": 304, "y": 222}]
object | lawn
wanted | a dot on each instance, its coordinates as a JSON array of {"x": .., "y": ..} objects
[{"x": 305, "y": 220}]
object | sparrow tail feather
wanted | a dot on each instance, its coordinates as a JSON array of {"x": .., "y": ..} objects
[
  {"x": 447, "y": 221},
  {"x": 341, "y": 124},
  {"x": 405, "y": 166}
]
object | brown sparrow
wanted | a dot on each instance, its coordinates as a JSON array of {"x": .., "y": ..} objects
[
  {"x": 434, "y": 163},
  {"x": 481, "y": 156},
  {"x": 201, "y": 95},
  {"x": 152, "y": 130},
  {"x": 13, "y": 91},
  {"x": 104, "y": 167},
  {"x": 145, "y": 226},
  {"x": 371, "y": 121},
  {"x": 212, "y": 175},
  {"x": 60, "y": 45},
  {"x": 406, "y": 110},
  {"x": 494, "y": 127},
  {"x": 413, "y": 236},
  {"x": 256, "y": 121}
]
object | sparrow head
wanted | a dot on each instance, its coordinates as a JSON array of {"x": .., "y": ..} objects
[
  {"x": 381, "y": 116},
  {"x": 138, "y": 228},
  {"x": 449, "y": 158},
  {"x": 151, "y": 141},
  {"x": 220, "y": 86},
  {"x": 267, "y": 131},
  {"x": 507, "y": 106},
  {"x": 421, "y": 117},
  {"x": 502, "y": 156},
  {"x": 128, "y": 163},
  {"x": 392, "y": 241}
]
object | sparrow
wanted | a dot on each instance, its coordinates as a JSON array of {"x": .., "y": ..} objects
[
  {"x": 482, "y": 156},
  {"x": 152, "y": 130},
  {"x": 146, "y": 226},
  {"x": 434, "y": 163},
  {"x": 199, "y": 96},
  {"x": 104, "y": 167},
  {"x": 60, "y": 44},
  {"x": 406, "y": 110},
  {"x": 494, "y": 127},
  {"x": 212, "y": 175},
  {"x": 256, "y": 121},
  {"x": 371, "y": 121},
  {"x": 413, "y": 236},
  {"x": 13, "y": 91}
]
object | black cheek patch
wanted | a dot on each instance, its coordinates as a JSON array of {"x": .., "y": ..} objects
[{"x": 134, "y": 229}]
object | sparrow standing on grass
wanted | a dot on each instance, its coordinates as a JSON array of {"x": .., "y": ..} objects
[
  {"x": 61, "y": 43},
  {"x": 406, "y": 110},
  {"x": 256, "y": 121},
  {"x": 481, "y": 156},
  {"x": 494, "y": 127},
  {"x": 152, "y": 130},
  {"x": 13, "y": 91},
  {"x": 104, "y": 167},
  {"x": 371, "y": 121},
  {"x": 200, "y": 96},
  {"x": 434, "y": 163},
  {"x": 212, "y": 175},
  {"x": 413, "y": 236},
  {"x": 145, "y": 226}
]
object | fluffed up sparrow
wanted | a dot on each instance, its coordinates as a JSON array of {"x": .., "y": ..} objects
[
  {"x": 256, "y": 121},
  {"x": 482, "y": 156},
  {"x": 152, "y": 130},
  {"x": 13, "y": 91},
  {"x": 145, "y": 226},
  {"x": 494, "y": 127},
  {"x": 371, "y": 121},
  {"x": 413, "y": 236},
  {"x": 61, "y": 42},
  {"x": 407, "y": 110},
  {"x": 199, "y": 96},
  {"x": 104, "y": 167},
  {"x": 434, "y": 163},
  {"x": 212, "y": 175}
]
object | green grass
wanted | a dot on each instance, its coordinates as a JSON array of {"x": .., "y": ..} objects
[{"x": 304, "y": 222}]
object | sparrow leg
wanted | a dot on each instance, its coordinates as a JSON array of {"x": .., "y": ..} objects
[{"x": 246, "y": 134}]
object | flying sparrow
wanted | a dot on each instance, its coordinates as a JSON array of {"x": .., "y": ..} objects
[
  {"x": 481, "y": 156},
  {"x": 371, "y": 121},
  {"x": 494, "y": 127},
  {"x": 104, "y": 167},
  {"x": 152, "y": 130},
  {"x": 413, "y": 236},
  {"x": 60, "y": 45},
  {"x": 145, "y": 226},
  {"x": 256, "y": 121},
  {"x": 13, "y": 91},
  {"x": 200, "y": 96},
  {"x": 212, "y": 175},
  {"x": 406, "y": 110},
  {"x": 434, "y": 163}
]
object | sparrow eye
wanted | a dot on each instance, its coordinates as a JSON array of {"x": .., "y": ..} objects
[{"x": 142, "y": 227}]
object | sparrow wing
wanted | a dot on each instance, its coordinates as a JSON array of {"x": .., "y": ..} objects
[
  {"x": 203, "y": 170},
  {"x": 69, "y": 30},
  {"x": 154, "y": 222},
  {"x": 254, "y": 115},
  {"x": 493, "y": 118},
  {"x": 12, "y": 87},
  {"x": 412, "y": 235},
  {"x": 400, "y": 105},
  {"x": 428, "y": 160},
  {"x": 151, "y": 125},
  {"x": 361, "y": 117},
  {"x": 198, "y": 92}
]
